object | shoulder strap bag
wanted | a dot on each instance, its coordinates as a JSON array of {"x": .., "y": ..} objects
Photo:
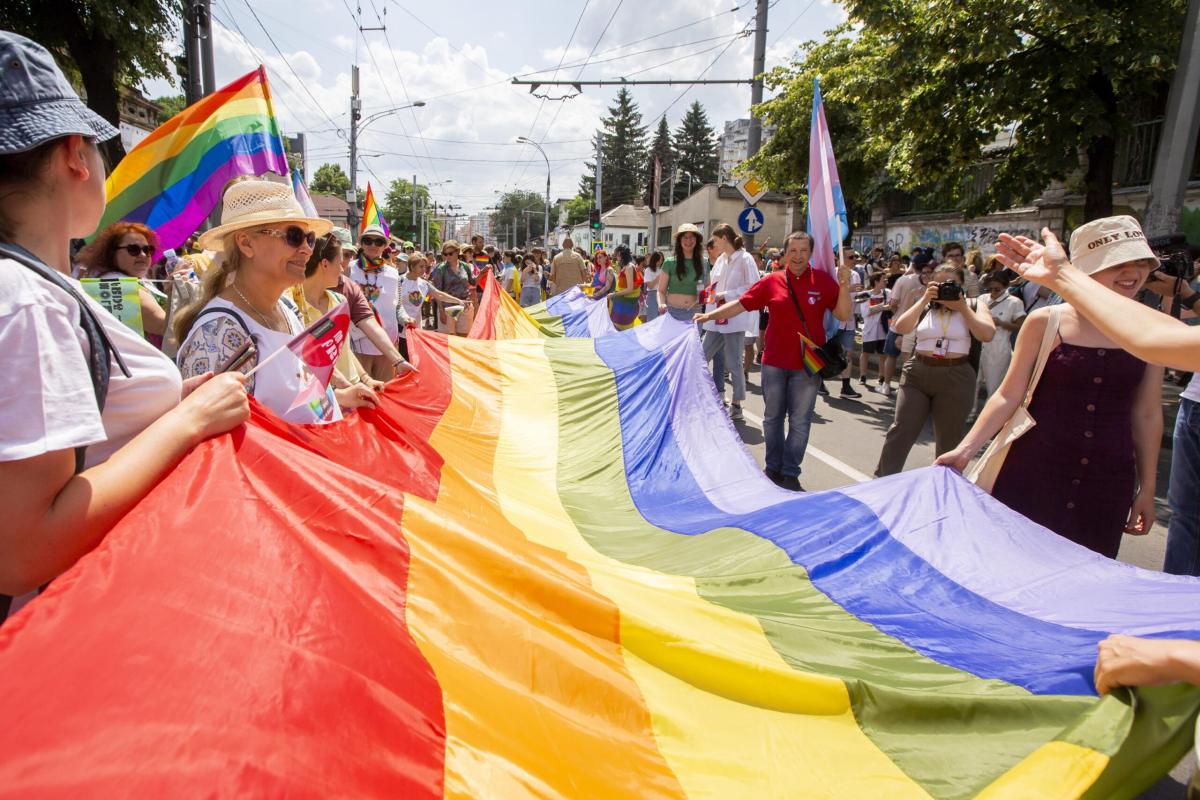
[
  {"x": 984, "y": 472},
  {"x": 830, "y": 352}
]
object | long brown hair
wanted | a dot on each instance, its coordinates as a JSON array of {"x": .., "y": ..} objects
[
  {"x": 214, "y": 281},
  {"x": 697, "y": 259},
  {"x": 726, "y": 232},
  {"x": 100, "y": 256}
]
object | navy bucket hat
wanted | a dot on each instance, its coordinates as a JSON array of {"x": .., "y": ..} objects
[{"x": 37, "y": 103}]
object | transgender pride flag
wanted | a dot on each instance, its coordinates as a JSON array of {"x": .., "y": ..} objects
[{"x": 827, "y": 222}]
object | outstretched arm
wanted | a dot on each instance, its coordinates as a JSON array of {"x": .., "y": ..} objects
[{"x": 1150, "y": 335}]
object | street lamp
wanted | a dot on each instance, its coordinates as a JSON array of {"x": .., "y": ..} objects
[
  {"x": 355, "y": 129},
  {"x": 546, "y": 223}
]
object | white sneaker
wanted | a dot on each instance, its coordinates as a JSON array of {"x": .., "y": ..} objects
[{"x": 887, "y": 390}]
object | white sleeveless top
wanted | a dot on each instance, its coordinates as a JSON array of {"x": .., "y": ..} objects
[
  {"x": 941, "y": 323},
  {"x": 277, "y": 385}
]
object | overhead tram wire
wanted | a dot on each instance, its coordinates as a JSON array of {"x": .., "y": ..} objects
[
  {"x": 403, "y": 87},
  {"x": 558, "y": 110},
  {"x": 561, "y": 58},
  {"x": 286, "y": 62}
]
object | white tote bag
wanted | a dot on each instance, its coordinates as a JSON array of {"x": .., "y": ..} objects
[{"x": 984, "y": 473}]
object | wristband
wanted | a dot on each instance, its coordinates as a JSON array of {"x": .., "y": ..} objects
[
  {"x": 396, "y": 364},
  {"x": 1189, "y": 300}
]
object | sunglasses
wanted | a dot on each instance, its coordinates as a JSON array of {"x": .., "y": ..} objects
[
  {"x": 136, "y": 250},
  {"x": 294, "y": 235},
  {"x": 371, "y": 241},
  {"x": 448, "y": 253}
]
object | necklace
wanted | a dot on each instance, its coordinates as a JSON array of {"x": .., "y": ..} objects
[{"x": 253, "y": 308}]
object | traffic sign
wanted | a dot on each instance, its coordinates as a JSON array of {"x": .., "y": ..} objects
[
  {"x": 597, "y": 247},
  {"x": 752, "y": 189},
  {"x": 750, "y": 221}
]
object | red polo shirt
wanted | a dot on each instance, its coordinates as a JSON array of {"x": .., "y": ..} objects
[{"x": 816, "y": 292}]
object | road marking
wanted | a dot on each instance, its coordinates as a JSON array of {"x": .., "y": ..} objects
[{"x": 833, "y": 461}]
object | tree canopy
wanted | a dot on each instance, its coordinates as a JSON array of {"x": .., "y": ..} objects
[
  {"x": 171, "y": 105},
  {"x": 663, "y": 149},
  {"x": 982, "y": 103},
  {"x": 397, "y": 207},
  {"x": 695, "y": 149},
  {"x": 510, "y": 215},
  {"x": 105, "y": 45},
  {"x": 329, "y": 179},
  {"x": 623, "y": 150}
]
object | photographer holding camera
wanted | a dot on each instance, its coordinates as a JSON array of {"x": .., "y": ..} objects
[{"x": 939, "y": 378}]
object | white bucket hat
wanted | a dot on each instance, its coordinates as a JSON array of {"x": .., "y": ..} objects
[
  {"x": 688, "y": 227},
  {"x": 250, "y": 204},
  {"x": 1107, "y": 242}
]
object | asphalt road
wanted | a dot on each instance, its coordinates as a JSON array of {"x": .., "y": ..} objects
[{"x": 844, "y": 445}]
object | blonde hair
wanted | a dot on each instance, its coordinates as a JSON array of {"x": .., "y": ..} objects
[
  {"x": 212, "y": 283},
  {"x": 417, "y": 260}
]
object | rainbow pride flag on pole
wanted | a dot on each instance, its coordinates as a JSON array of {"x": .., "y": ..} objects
[
  {"x": 175, "y": 177},
  {"x": 546, "y": 567},
  {"x": 372, "y": 215},
  {"x": 828, "y": 222}
]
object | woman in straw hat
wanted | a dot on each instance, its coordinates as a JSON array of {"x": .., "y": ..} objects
[
  {"x": 1088, "y": 469},
  {"x": 266, "y": 239},
  {"x": 684, "y": 275},
  {"x": 92, "y": 412}
]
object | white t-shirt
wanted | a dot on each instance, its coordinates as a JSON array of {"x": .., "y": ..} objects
[
  {"x": 873, "y": 323},
  {"x": 382, "y": 288},
  {"x": 46, "y": 388},
  {"x": 412, "y": 296}
]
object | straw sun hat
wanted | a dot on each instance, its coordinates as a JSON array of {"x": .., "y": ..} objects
[{"x": 255, "y": 203}]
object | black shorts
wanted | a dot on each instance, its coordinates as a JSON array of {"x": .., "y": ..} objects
[
  {"x": 873, "y": 347},
  {"x": 402, "y": 346},
  {"x": 763, "y": 319}
]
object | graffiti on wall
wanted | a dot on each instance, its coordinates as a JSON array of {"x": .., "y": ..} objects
[{"x": 982, "y": 236}]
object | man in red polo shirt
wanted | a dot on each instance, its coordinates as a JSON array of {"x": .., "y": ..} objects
[{"x": 789, "y": 391}]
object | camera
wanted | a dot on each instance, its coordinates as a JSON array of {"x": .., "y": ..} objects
[
  {"x": 861, "y": 297},
  {"x": 949, "y": 290},
  {"x": 1173, "y": 258}
]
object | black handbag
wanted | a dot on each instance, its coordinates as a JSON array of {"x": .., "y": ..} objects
[{"x": 830, "y": 352}]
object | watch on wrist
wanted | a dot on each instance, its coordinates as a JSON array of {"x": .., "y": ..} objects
[{"x": 1189, "y": 300}]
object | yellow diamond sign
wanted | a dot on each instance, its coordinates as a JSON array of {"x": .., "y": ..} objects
[{"x": 752, "y": 189}]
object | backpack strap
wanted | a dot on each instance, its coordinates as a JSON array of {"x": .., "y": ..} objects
[{"x": 101, "y": 350}]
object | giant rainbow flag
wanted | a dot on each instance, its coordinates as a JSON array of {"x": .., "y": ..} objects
[
  {"x": 546, "y": 567},
  {"x": 174, "y": 178}
]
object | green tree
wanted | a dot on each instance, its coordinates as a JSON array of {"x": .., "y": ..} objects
[
  {"x": 661, "y": 147},
  {"x": 329, "y": 179},
  {"x": 510, "y": 215},
  {"x": 104, "y": 44},
  {"x": 171, "y": 105},
  {"x": 623, "y": 150},
  {"x": 398, "y": 207},
  {"x": 695, "y": 150},
  {"x": 937, "y": 83},
  {"x": 578, "y": 208}
]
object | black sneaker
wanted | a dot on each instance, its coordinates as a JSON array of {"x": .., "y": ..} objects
[
  {"x": 774, "y": 477},
  {"x": 791, "y": 483},
  {"x": 848, "y": 391},
  {"x": 822, "y": 390}
]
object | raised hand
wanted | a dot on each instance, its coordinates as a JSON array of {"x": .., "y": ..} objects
[{"x": 1041, "y": 263}]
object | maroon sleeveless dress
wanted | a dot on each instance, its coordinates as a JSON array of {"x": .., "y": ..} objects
[{"x": 1075, "y": 472}]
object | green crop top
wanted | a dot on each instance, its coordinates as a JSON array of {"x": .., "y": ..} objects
[{"x": 686, "y": 284}]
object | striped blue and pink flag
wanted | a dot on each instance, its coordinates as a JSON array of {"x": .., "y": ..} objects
[{"x": 827, "y": 222}]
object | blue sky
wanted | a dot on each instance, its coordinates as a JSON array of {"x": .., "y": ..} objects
[{"x": 458, "y": 56}]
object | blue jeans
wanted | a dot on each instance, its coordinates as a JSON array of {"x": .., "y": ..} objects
[
  {"x": 1183, "y": 534},
  {"x": 790, "y": 393},
  {"x": 725, "y": 351}
]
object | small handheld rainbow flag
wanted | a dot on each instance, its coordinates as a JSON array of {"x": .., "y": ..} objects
[
  {"x": 175, "y": 176},
  {"x": 813, "y": 363},
  {"x": 372, "y": 215}
]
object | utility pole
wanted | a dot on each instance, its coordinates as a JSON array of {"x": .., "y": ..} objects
[
  {"x": 1177, "y": 141},
  {"x": 599, "y": 180},
  {"x": 414, "y": 204},
  {"x": 355, "y": 113},
  {"x": 204, "y": 33},
  {"x": 193, "y": 87},
  {"x": 754, "y": 136}
]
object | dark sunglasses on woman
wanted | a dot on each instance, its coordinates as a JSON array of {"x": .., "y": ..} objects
[
  {"x": 294, "y": 235},
  {"x": 136, "y": 250},
  {"x": 371, "y": 241}
]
